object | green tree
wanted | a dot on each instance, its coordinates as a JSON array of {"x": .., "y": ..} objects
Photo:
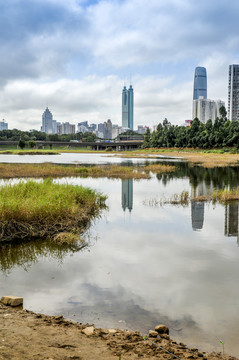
[
  {"x": 31, "y": 144},
  {"x": 146, "y": 143},
  {"x": 21, "y": 144}
]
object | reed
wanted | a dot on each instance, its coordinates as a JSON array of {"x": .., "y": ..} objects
[
  {"x": 44, "y": 209},
  {"x": 8, "y": 171}
]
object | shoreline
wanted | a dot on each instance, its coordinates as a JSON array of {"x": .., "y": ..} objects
[{"x": 29, "y": 335}]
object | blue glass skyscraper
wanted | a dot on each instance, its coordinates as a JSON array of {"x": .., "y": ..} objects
[
  {"x": 128, "y": 108},
  {"x": 200, "y": 83}
]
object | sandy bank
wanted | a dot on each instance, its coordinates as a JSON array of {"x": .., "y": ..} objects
[{"x": 26, "y": 335}]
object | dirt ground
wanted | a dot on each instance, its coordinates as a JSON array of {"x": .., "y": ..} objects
[{"x": 26, "y": 335}]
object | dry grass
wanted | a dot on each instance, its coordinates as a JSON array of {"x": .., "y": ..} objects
[
  {"x": 182, "y": 199},
  {"x": 222, "y": 196},
  {"x": 8, "y": 171},
  {"x": 160, "y": 168},
  {"x": 202, "y": 158}
]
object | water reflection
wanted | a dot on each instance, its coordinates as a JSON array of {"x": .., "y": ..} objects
[
  {"x": 231, "y": 220},
  {"x": 26, "y": 254},
  {"x": 148, "y": 265},
  {"x": 211, "y": 177},
  {"x": 127, "y": 194},
  {"x": 197, "y": 207}
]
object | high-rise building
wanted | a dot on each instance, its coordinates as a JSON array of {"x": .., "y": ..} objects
[
  {"x": 233, "y": 92},
  {"x": 3, "y": 125},
  {"x": 108, "y": 129},
  {"x": 200, "y": 83},
  {"x": 128, "y": 108},
  {"x": 47, "y": 122},
  {"x": 205, "y": 109}
]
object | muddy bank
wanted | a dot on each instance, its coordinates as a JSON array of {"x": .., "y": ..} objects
[{"x": 27, "y": 335}]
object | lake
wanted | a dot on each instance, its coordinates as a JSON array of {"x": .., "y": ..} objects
[{"x": 145, "y": 264}]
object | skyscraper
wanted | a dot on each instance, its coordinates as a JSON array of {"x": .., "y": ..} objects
[
  {"x": 128, "y": 108},
  {"x": 200, "y": 83},
  {"x": 47, "y": 122},
  {"x": 233, "y": 92}
]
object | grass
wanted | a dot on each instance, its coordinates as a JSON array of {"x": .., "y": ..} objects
[
  {"x": 29, "y": 152},
  {"x": 44, "y": 209},
  {"x": 222, "y": 196},
  {"x": 176, "y": 199},
  {"x": 206, "y": 158},
  {"x": 8, "y": 171}
]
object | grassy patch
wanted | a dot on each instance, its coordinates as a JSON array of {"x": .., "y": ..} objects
[
  {"x": 8, "y": 171},
  {"x": 222, "y": 196},
  {"x": 39, "y": 210},
  {"x": 29, "y": 152}
]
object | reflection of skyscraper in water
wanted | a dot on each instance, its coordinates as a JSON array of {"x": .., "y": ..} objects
[
  {"x": 127, "y": 194},
  {"x": 197, "y": 207},
  {"x": 231, "y": 220},
  {"x": 197, "y": 214}
]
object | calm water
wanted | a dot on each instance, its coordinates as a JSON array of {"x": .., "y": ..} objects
[{"x": 144, "y": 264}]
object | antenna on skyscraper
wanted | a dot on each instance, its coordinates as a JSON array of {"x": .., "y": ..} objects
[{"x": 130, "y": 79}]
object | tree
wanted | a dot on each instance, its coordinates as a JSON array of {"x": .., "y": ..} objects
[
  {"x": 21, "y": 144},
  {"x": 146, "y": 143},
  {"x": 31, "y": 144},
  {"x": 223, "y": 112}
]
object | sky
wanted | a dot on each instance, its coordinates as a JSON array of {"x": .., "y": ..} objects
[{"x": 75, "y": 56}]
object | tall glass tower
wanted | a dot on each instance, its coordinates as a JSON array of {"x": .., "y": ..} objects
[
  {"x": 200, "y": 83},
  {"x": 128, "y": 108},
  {"x": 233, "y": 92}
]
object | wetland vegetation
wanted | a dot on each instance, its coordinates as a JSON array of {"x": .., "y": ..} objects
[
  {"x": 53, "y": 170},
  {"x": 44, "y": 209}
]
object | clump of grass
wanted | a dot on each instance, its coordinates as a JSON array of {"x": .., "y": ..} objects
[
  {"x": 225, "y": 195},
  {"x": 44, "y": 209},
  {"x": 160, "y": 168},
  {"x": 182, "y": 199}
]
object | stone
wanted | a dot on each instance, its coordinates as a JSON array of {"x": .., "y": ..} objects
[
  {"x": 162, "y": 329},
  {"x": 112, "y": 331},
  {"x": 12, "y": 300},
  {"x": 153, "y": 333},
  {"x": 88, "y": 330}
]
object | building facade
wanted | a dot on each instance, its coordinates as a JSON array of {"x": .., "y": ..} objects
[
  {"x": 3, "y": 125},
  {"x": 108, "y": 129},
  {"x": 128, "y": 108},
  {"x": 200, "y": 83},
  {"x": 47, "y": 122},
  {"x": 66, "y": 129},
  {"x": 205, "y": 109},
  {"x": 233, "y": 92}
]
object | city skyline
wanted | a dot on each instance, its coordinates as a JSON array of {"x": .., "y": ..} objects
[{"x": 74, "y": 57}]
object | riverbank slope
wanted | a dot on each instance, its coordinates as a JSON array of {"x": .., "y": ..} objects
[{"x": 26, "y": 335}]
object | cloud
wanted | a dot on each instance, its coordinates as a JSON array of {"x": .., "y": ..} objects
[{"x": 73, "y": 55}]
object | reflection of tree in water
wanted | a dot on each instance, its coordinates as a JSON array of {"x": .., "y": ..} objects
[
  {"x": 219, "y": 177},
  {"x": 28, "y": 253}
]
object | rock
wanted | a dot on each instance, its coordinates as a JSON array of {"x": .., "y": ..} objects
[
  {"x": 153, "y": 333},
  {"x": 162, "y": 329},
  {"x": 88, "y": 330},
  {"x": 165, "y": 336},
  {"x": 12, "y": 300},
  {"x": 112, "y": 331}
]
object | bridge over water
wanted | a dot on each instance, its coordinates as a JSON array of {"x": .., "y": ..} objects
[{"x": 98, "y": 145}]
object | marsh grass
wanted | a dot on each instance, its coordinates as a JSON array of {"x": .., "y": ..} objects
[
  {"x": 182, "y": 199},
  {"x": 222, "y": 196},
  {"x": 53, "y": 170},
  {"x": 160, "y": 168},
  {"x": 44, "y": 209}
]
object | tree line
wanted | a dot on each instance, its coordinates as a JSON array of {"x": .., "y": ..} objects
[
  {"x": 34, "y": 135},
  {"x": 220, "y": 133}
]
